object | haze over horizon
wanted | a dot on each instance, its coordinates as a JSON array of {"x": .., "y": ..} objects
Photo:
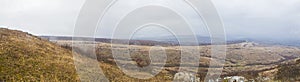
[{"x": 267, "y": 19}]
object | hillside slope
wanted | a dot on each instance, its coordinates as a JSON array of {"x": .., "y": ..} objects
[
  {"x": 24, "y": 57},
  {"x": 289, "y": 71},
  {"x": 246, "y": 59}
]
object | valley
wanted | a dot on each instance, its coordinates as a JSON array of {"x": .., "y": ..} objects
[
  {"x": 247, "y": 59},
  {"x": 25, "y": 57}
]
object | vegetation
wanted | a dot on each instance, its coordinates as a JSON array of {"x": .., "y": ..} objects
[
  {"x": 289, "y": 72},
  {"x": 24, "y": 57},
  {"x": 114, "y": 74}
]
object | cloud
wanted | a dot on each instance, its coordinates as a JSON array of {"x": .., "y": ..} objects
[
  {"x": 260, "y": 18},
  {"x": 40, "y": 17},
  {"x": 242, "y": 18}
]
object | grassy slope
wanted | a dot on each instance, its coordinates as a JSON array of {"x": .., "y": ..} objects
[
  {"x": 24, "y": 57},
  {"x": 289, "y": 72},
  {"x": 116, "y": 75}
]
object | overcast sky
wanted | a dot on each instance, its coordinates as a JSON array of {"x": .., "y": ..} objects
[{"x": 242, "y": 18}]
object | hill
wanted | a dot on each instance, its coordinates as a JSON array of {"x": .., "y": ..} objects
[
  {"x": 289, "y": 71},
  {"x": 106, "y": 40},
  {"x": 24, "y": 57},
  {"x": 246, "y": 59}
]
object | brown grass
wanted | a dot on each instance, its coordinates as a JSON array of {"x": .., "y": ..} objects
[{"x": 27, "y": 58}]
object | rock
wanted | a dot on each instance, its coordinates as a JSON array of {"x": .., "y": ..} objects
[
  {"x": 185, "y": 77},
  {"x": 235, "y": 79}
]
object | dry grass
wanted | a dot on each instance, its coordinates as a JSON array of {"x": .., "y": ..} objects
[
  {"x": 114, "y": 74},
  {"x": 289, "y": 72},
  {"x": 27, "y": 58}
]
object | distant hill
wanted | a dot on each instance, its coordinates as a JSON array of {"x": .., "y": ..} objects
[
  {"x": 187, "y": 39},
  {"x": 106, "y": 40},
  {"x": 24, "y": 57},
  {"x": 149, "y": 41},
  {"x": 206, "y": 40}
]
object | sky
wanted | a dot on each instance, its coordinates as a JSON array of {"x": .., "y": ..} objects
[{"x": 277, "y": 19}]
